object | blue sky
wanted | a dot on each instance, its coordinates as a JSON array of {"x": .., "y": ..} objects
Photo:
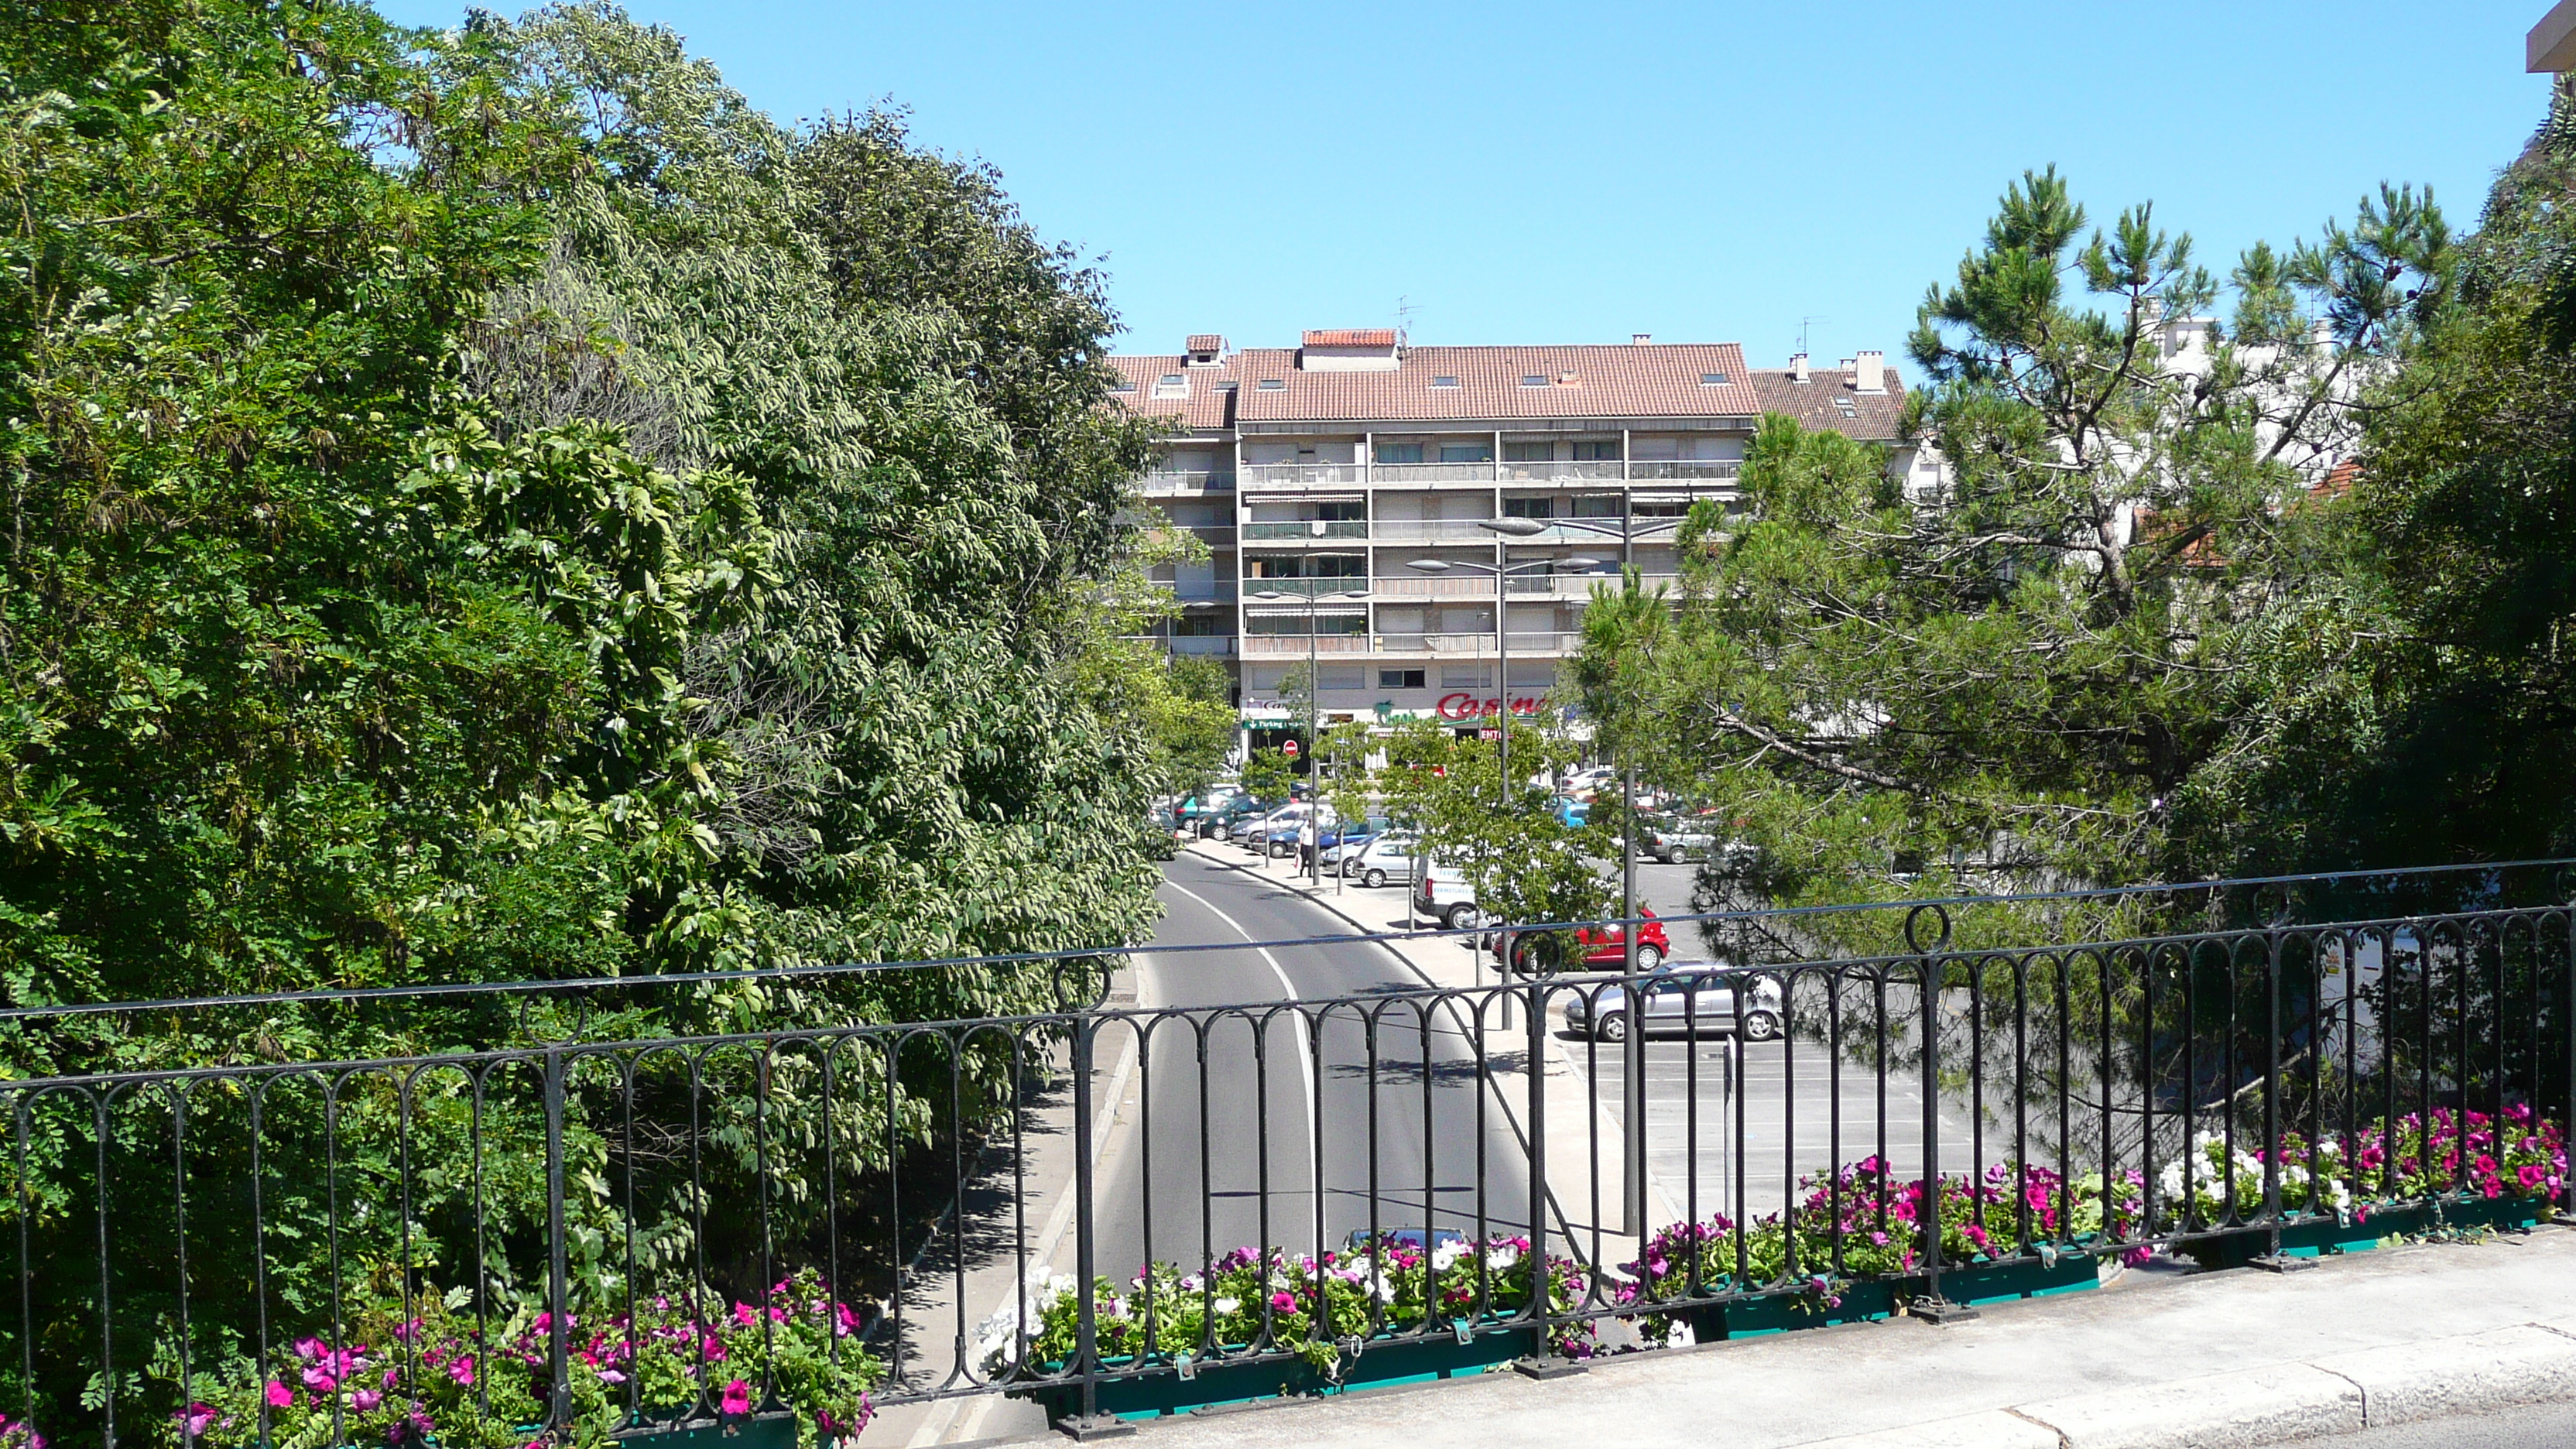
[{"x": 1576, "y": 172}]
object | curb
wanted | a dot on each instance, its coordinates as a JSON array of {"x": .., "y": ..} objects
[{"x": 2435, "y": 1378}]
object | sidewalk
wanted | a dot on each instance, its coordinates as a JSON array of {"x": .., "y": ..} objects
[{"x": 2155, "y": 1360}]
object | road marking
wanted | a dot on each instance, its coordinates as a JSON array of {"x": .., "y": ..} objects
[{"x": 1305, "y": 1030}]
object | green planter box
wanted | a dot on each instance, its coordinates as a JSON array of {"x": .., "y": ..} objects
[
  {"x": 2314, "y": 1237},
  {"x": 1864, "y": 1301},
  {"x": 1383, "y": 1361}
]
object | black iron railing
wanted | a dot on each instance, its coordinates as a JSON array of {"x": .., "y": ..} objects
[{"x": 637, "y": 1207}]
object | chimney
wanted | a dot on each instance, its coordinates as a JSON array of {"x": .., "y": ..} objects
[
  {"x": 1798, "y": 367},
  {"x": 1870, "y": 374},
  {"x": 1850, "y": 368},
  {"x": 1640, "y": 339}
]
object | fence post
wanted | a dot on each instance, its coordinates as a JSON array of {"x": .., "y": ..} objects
[
  {"x": 1541, "y": 1362},
  {"x": 1090, "y": 1423},
  {"x": 2274, "y": 1260},
  {"x": 1932, "y": 1307},
  {"x": 558, "y": 1346}
]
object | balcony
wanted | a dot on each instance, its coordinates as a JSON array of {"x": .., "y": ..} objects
[
  {"x": 1184, "y": 483},
  {"x": 1271, "y": 477},
  {"x": 1432, "y": 473},
  {"x": 1686, "y": 469},
  {"x": 1433, "y": 530},
  {"x": 1477, "y": 646},
  {"x": 1199, "y": 591},
  {"x": 1305, "y": 528},
  {"x": 1280, "y": 646},
  {"x": 1307, "y": 588},
  {"x": 1219, "y": 644},
  {"x": 1571, "y": 470}
]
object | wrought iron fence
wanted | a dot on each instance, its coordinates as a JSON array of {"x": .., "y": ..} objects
[{"x": 536, "y": 1217}]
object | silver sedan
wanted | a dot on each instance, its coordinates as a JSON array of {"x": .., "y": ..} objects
[{"x": 1682, "y": 997}]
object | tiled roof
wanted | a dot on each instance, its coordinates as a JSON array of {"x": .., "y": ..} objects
[
  {"x": 1205, "y": 406},
  {"x": 1829, "y": 400},
  {"x": 1653, "y": 381},
  {"x": 1205, "y": 342},
  {"x": 1351, "y": 337}
]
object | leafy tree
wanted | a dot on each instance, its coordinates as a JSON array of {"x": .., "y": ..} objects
[{"x": 1525, "y": 866}]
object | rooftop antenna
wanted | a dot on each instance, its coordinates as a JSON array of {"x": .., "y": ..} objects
[
  {"x": 1404, "y": 310},
  {"x": 1802, "y": 333}
]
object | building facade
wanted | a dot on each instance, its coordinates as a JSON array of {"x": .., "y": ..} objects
[{"x": 1371, "y": 506}]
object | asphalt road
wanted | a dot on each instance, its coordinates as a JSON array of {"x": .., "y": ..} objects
[
  {"x": 1288, "y": 1123},
  {"x": 2532, "y": 1426}
]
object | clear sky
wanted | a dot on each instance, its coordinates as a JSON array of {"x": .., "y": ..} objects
[{"x": 1583, "y": 170}]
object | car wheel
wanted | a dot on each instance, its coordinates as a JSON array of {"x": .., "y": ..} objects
[
  {"x": 1374, "y": 879},
  {"x": 1610, "y": 1026},
  {"x": 1761, "y": 1026},
  {"x": 1460, "y": 916},
  {"x": 1649, "y": 956},
  {"x": 1672, "y": 855}
]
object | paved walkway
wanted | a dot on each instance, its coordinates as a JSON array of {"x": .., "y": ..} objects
[{"x": 2155, "y": 1359}]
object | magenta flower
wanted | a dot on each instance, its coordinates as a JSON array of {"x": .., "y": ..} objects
[
  {"x": 1282, "y": 1301},
  {"x": 462, "y": 1370},
  {"x": 737, "y": 1397},
  {"x": 280, "y": 1396},
  {"x": 365, "y": 1400},
  {"x": 196, "y": 1419}
]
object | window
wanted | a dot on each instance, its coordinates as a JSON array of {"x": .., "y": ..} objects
[
  {"x": 1712, "y": 379},
  {"x": 1338, "y": 566},
  {"x": 1596, "y": 505},
  {"x": 1444, "y": 382},
  {"x": 1122, "y": 385},
  {"x": 1172, "y": 384},
  {"x": 1529, "y": 508},
  {"x": 1597, "y": 450},
  {"x": 1538, "y": 452},
  {"x": 1535, "y": 379},
  {"x": 1342, "y": 624},
  {"x": 1399, "y": 679},
  {"x": 1662, "y": 508},
  {"x": 1272, "y": 384},
  {"x": 1465, "y": 676},
  {"x": 1399, "y": 452},
  {"x": 1466, "y": 452},
  {"x": 1342, "y": 510},
  {"x": 1199, "y": 626}
]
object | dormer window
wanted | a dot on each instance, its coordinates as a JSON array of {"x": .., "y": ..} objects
[
  {"x": 1172, "y": 384},
  {"x": 1444, "y": 382},
  {"x": 1534, "y": 379},
  {"x": 1123, "y": 385},
  {"x": 1273, "y": 384},
  {"x": 1712, "y": 379}
]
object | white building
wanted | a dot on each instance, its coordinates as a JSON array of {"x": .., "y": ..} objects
[{"x": 1318, "y": 475}]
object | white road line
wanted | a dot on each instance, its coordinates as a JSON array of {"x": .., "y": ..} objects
[{"x": 1305, "y": 1030}]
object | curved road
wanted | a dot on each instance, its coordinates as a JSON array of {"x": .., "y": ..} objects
[{"x": 1261, "y": 1111}]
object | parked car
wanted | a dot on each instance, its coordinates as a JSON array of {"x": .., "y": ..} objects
[
  {"x": 1388, "y": 857},
  {"x": 1162, "y": 832},
  {"x": 1586, "y": 781},
  {"x": 1571, "y": 811},
  {"x": 1280, "y": 828},
  {"x": 1673, "y": 839},
  {"x": 1346, "y": 839},
  {"x": 1596, "y": 948},
  {"x": 1684, "y": 996},
  {"x": 1441, "y": 893},
  {"x": 1222, "y": 822},
  {"x": 1196, "y": 811}
]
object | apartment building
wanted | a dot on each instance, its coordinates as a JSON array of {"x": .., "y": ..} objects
[{"x": 1371, "y": 505}]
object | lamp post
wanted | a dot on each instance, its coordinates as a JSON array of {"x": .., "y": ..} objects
[
  {"x": 1314, "y": 793},
  {"x": 1632, "y": 1052},
  {"x": 1502, "y": 638}
]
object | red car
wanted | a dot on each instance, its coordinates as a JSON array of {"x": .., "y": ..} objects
[{"x": 1601, "y": 948}]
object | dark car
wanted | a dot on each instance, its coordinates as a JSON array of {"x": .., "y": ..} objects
[
  {"x": 1595, "y": 948},
  {"x": 1220, "y": 822}
]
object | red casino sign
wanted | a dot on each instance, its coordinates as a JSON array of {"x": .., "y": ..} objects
[{"x": 1468, "y": 706}]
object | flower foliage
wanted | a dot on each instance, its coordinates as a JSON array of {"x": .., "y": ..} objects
[
  {"x": 2420, "y": 1155},
  {"x": 1250, "y": 1300},
  {"x": 435, "y": 1375}
]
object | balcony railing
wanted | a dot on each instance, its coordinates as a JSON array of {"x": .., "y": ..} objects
[
  {"x": 1686, "y": 468},
  {"x": 1306, "y": 588},
  {"x": 1275, "y": 645},
  {"x": 1432, "y": 473},
  {"x": 1199, "y": 591},
  {"x": 1201, "y": 643},
  {"x": 1433, "y": 530},
  {"x": 1478, "y": 646},
  {"x": 1183, "y": 482},
  {"x": 1258, "y": 476},
  {"x": 1301, "y": 528},
  {"x": 1569, "y": 468}
]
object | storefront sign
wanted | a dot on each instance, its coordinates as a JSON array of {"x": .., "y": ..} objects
[{"x": 1468, "y": 706}]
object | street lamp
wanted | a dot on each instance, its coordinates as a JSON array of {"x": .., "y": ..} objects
[
  {"x": 1315, "y": 795},
  {"x": 1633, "y": 1052},
  {"x": 1502, "y": 642}
]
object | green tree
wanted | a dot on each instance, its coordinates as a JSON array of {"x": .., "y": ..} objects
[{"x": 2014, "y": 682}]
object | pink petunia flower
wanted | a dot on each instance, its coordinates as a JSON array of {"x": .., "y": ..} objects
[
  {"x": 280, "y": 1396},
  {"x": 462, "y": 1370},
  {"x": 365, "y": 1400},
  {"x": 737, "y": 1397}
]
